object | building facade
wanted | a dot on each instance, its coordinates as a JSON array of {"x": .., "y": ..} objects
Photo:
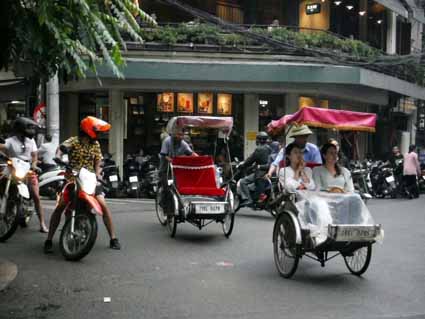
[{"x": 162, "y": 81}]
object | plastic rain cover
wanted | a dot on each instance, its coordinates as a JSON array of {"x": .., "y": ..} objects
[{"x": 319, "y": 209}]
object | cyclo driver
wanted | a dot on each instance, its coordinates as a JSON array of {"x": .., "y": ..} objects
[
  {"x": 172, "y": 146},
  {"x": 260, "y": 157},
  {"x": 84, "y": 151}
]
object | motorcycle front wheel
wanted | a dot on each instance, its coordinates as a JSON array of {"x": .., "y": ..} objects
[
  {"x": 9, "y": 221},
  {"x": 75, "y": 246}
]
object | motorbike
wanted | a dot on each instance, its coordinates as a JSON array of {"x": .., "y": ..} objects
[
  {"x": 263, "y": 200},
  {"x": 51, "y": 181},
  {"x": 111, "y": 176},
  {"x": 131, "y": 177},
  {"x": 79, "y": 233},
  {"x": 361, "y": 179},
  {"x": 16, "y": 205},
  {"x": 148, "y": 176},
  {"x": 383, "y": 180}
]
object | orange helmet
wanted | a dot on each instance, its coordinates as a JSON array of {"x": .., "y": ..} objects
[{"x": 92, "y": 125}]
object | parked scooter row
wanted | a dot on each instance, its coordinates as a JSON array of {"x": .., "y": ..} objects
[{"x": 139, "y": 180}]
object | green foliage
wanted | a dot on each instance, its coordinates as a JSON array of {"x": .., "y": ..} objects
[{"x": 70, "y": 36}]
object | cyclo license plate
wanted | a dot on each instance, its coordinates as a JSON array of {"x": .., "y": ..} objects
[
  {"x": 113, "y": 178},
  {"x": 355, "y": 233},
  {"x": 209, "y": 208}
]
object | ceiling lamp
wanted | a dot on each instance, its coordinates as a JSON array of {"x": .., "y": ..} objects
[
  {"x": 337, "y": 3},
  {"x": 349, "y": 7},
  {"x": 362, "y": 13},
  {"x": 379, "y": 21}
]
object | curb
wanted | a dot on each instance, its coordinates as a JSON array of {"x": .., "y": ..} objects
[{"x": 8, "y": 272}]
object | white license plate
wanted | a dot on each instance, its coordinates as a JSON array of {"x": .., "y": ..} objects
[
  {"x": 209, "y": 208},
  {"x": 133, "y": 179},
  {"x": 390, "y": 179},
  {"x": 113, "y": 178},
  {"x": 355, "y": 233}
]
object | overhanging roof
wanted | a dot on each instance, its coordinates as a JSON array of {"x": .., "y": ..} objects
[{"x": 396, "y": 6}]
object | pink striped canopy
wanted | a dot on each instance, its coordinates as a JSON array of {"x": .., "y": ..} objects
[{"x": 326, "y": 118}]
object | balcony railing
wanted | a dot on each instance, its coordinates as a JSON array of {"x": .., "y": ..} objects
[{"x": 297, "y": 42}]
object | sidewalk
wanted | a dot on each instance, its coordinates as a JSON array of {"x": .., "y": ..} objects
[{"x": 8, "y": 272}]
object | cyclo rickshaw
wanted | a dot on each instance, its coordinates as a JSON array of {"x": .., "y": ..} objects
[
  {"x": 194, "y": 190},
  {"x": 297, "y": 234}
]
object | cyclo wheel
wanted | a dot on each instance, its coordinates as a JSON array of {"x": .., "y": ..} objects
[
  {"x": 9, "y": 222},
  {"x": 228, "y": 222},
  {"x": 171, "y": 222},
  {"x": 285, "y": 249},
  {"x": 77, "y": 245},
  {"x": 358, "y": 263},
  {"x": 159, "y": 210}
]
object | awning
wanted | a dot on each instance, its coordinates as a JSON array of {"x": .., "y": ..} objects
[
  {"x": 417, "y": 12},
  {"x": 396, "y": 6}
]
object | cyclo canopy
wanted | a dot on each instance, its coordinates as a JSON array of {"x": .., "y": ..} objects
[
  {"x": 224, "y": 124},
  {"x": 326, "y": 118}
]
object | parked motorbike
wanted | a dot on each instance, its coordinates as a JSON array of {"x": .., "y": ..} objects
[
  {"x": 51, "y": 181},
  {"x": 16, "y": 205},
  {"x": 383, "y": 180},
  {"x": 263, "y": 200},
  {"x": 148, "y": 176},
  {"x": 111, "y": 176},
  {"x": 131, "y": 177},
  {"x": 361, "y": 179},
  {"x": 79, "y": 232}
]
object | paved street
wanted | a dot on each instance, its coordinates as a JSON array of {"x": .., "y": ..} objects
[{"x": 201, "y": 274}]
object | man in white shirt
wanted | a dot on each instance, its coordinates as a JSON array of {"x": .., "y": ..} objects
[
  {"x": 47, "y": 153},
  {"x": 23, "y": 146}
]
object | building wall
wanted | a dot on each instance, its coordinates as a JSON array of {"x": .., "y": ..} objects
[{"x": 315, "y": 21}]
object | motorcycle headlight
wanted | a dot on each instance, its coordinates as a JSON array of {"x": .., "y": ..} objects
[{"x": 20, "y": 173}]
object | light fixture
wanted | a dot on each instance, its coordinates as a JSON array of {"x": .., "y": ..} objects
[
  {"x": 337, "y": 3},
  {"x": 379, "y": 21},
  {"x": 349, "y": 7},
  {"x": 362, "y": 13},
  {"x": 323, "y": 0}
]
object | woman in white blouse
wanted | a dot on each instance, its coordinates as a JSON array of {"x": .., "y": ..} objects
[
  {"x": 331, "y": 176},
  {"x": 295, "y": 176}
]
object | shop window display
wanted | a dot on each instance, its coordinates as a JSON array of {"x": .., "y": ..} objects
[
  {"x": 185, "y": 102},
  {"x": 205, "y": 103},
  {"x": 224, "y": 104}
]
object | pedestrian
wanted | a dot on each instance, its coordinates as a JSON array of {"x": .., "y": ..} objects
[
  {"x": 47, "y": 152},
  {"x": 411, "y": 169}
]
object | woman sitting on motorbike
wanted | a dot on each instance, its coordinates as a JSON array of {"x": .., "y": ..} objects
[
  {"x": 331, "y": 176},
  {"x": 295, "y": 176}
]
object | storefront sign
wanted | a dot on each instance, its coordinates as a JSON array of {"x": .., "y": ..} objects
[
  {"x": 313, "y": 8},
  {"x": 251, "y": 135},
  {"x": 224, "y": 104},
  {"x": 205, "y": 103},
  {"x": 165, "y": 102},
  {"x": 185, "y": 102}
]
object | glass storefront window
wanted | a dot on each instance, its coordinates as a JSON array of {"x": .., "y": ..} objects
[
  {"x": 224, "y": 104},
  {"x": 205, "y": 103},
  {"x": 185, "y": 102},
  {"x": 165, "y": 102}
]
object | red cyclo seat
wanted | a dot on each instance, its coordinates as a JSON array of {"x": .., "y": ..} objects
[
  {"x": 195, "y": 175},
  {"x": 308, "y": 164}
]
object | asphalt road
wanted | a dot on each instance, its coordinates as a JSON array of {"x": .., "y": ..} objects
[{"x": 201, "y": 274}]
